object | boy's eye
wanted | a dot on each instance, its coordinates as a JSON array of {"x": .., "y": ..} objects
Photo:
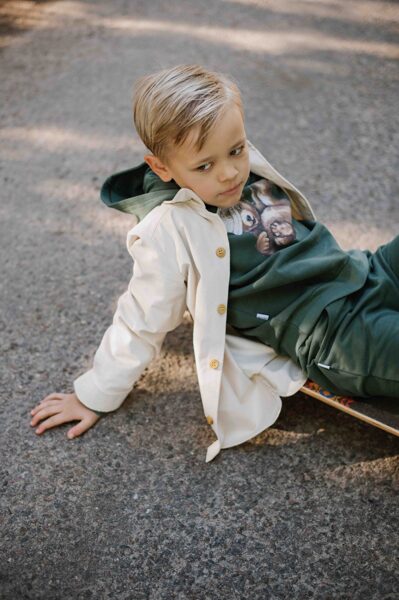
[
  {"x": 238, "y": 150},
  {"x": 201, "y": 168}
]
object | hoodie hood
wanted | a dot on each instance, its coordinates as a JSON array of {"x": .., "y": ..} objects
[{"x": 137, "y": 191}]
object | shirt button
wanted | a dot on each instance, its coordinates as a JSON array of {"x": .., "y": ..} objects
[
  {"x": 220, "y": 252},
  {"x": 214, "y": 363},
  {"x": 221, "y": 309},
  {"x": 210, "y": 420}
]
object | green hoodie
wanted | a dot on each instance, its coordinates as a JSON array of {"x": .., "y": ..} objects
[{"x": 137, "y": 191}]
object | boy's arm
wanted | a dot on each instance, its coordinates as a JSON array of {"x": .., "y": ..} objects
[{"x": 153, "y": 304}]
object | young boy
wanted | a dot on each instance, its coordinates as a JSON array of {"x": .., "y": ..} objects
[{"x": 221, "y": 233}]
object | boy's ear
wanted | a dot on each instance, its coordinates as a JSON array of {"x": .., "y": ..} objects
[{"x": 158, "y": 167}]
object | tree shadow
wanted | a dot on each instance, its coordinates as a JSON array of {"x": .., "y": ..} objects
[{"x": 16, "y": 18}]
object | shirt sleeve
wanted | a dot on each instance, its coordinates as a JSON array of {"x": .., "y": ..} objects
[{"x": 153, "y": 304}]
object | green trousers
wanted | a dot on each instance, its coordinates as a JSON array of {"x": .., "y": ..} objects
[{"x": 359, "y": 335}]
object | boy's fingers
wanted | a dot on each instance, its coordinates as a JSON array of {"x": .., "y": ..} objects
[
  {"x": 79, "y": 428},
  {"x": 54, "y": 396},
  {"x": 44, "y": 403},
  {"x": 51, "y": 398},
  {"x": 46, "y": 411},
  {"x": 51, "y": 422}
]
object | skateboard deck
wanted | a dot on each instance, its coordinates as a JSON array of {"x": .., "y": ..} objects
[{"x": 380, "y": 412}]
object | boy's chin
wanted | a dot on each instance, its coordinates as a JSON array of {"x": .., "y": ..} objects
[
  {"x": 226, "y": 202},
  {"x": 230, "y": 202}
]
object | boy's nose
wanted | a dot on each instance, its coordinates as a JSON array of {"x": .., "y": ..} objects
[{"x": 228, "y": 173}]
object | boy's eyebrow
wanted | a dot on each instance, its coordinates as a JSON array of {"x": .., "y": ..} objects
[{"x": 203, "y": 160}]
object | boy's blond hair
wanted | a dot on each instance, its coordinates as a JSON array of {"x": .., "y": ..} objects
[{"x": 169, "y": 103}]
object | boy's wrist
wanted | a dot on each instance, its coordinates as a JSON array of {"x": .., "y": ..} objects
[{"x": 98, "y": 413}]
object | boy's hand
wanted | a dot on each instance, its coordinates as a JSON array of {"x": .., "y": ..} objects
[{"x": 63, "y": 408}]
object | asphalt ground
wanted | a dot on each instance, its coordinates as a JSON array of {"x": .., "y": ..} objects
[{"x": 130, "y": 510}]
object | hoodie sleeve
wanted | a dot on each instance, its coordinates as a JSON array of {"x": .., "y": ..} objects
[{"x": 153, "y": 304}]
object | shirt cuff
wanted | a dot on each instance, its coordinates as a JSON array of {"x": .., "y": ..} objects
[{"x": 93, "y": 397}]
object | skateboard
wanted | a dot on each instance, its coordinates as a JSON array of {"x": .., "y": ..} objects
[{"x": 380, "y": 412}]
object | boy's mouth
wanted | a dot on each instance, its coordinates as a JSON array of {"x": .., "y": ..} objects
[{"x": 231, "y": 190}]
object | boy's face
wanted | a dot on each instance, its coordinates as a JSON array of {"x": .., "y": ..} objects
[{"x": 222, "y": 164}]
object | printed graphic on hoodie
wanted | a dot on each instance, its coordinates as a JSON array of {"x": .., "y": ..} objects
[{"x": 264, "y": 211}]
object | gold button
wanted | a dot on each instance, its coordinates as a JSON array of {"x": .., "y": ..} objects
[
  {"x": 210, "y": 420},
  {"x": 214, "y": 363},
  {"x": 221, "y": 309},
  {"x": 220, "y": 252}
]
